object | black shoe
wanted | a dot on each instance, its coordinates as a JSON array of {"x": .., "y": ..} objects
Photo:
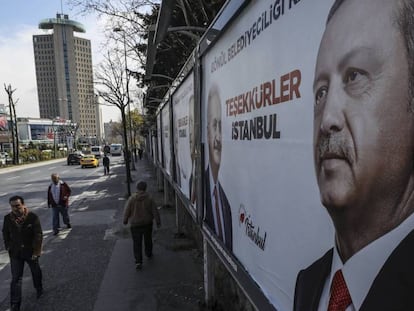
[
  {"x": 68, "y": 226},
  {"x": 55, "y": 232},
  {"x": 149, "y": 256},
  {"x": 138, "y": 266},
  {"x": 39, "y": 293}
]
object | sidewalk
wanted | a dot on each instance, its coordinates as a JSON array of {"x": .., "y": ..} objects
[{"x": 171, "y": 280}]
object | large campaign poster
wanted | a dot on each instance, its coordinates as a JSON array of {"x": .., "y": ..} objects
[
  {"x": 166, "y": 134},
  {"x": 153, "y": 146},
  {"x": 183, "y": 116},
  {"x": 3, "y": 118},
  {"x": 261, "y": 196},
  {"x": 159, "y": 139}
]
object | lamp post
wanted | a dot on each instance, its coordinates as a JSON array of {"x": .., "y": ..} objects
[
  {"x": 54, "y": 137},
  {"x": 129, "y": 152}
]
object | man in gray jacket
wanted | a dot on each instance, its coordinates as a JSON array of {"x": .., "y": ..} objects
[{"x": 140, "y": 211}]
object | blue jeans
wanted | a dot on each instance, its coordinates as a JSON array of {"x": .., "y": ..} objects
[
  {"x": 137, "y": 233},
  {"x": 65, "y": 216},
  {"x": 17, "y": 267}
]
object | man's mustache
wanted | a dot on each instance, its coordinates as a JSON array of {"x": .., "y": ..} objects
[
  {"x": 217, "y": 145},
  {"x": 335, "y": 147}
]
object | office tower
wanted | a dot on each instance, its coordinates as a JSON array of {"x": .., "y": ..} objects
[{"x": 64, "y": 75}]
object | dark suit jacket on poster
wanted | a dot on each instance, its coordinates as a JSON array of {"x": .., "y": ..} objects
[
  {"x": 392, "y": 289},
  {"x": 228, "y": 227}
]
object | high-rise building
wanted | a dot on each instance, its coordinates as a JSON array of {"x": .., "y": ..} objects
[{"x": 65, "y": 77}]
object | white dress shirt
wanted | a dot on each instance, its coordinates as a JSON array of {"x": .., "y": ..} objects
[
  {"x": 55, "y": 189},
  {"x": 362, "y": 268}
]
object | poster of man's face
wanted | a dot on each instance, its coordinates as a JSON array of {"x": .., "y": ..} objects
[
  {"x": 214, "y": 128},
  {"x": 3, "y": 123},
  {"x": 363, "y": 157},
  {"x": 363, "y": 124},
  {"x": 183, "y": 107}
]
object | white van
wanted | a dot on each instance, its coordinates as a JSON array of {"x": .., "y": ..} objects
[
  {"x": 97, "y": 151},
  {"x": 116, "y": 149}
]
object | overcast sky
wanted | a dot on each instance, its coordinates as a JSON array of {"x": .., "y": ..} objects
[{"x": 19, "y": 21}]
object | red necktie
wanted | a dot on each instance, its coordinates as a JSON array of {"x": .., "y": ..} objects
[
  {"x": 340, "y": 298},
  {"x": 218, "y": 218}
]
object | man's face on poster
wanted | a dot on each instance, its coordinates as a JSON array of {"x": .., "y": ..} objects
[
  {"x": 214, "y": 130},
  {"x": 363, "y": 127}
]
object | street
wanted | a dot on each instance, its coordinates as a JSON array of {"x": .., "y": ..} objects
[{"x": 73, "y": 262}]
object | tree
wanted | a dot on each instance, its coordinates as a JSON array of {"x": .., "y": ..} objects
[
  {"x": 117, "y": 130},
  {"x": 137, "y": 17},
  {"x": 13, "y": 118},
  {"x": 136, "y": 121},
  {"x": 112, "y": 86}
]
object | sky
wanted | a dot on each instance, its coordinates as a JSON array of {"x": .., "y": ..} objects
[{"x": 19, "y": 21}]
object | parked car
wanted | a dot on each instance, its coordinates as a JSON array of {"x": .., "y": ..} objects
[
  {"x": 89, "y": 160},
  {"x": 74, "y": 158}
]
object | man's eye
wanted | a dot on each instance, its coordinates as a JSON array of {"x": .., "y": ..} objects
[
  {"x": 320, "y": 95},
  {"x": 353, "y": 75}
]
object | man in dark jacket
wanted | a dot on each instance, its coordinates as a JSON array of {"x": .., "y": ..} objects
[
  {"x": 105, "y": 162},
  {"x": 140, "y": 211},
  {"x": 58, "y": 199},
  {"x": 22, "y": 234}
]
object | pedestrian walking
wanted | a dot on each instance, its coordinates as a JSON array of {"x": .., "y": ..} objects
[
  {"x": 106, "y": 163},
  {"x": 23, "y": 237},
  {"x": 140, "y": 151},
  {"x": 58, "y": 199},
  {"x": 140, "y": 211}
]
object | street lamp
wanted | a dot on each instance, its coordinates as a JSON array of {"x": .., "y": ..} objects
[
  {"x": 129, "y": 152},
  {"x": 54, "y": 136}
]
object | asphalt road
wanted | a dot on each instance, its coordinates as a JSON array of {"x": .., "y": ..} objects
[{"x": 73, "y": 262}]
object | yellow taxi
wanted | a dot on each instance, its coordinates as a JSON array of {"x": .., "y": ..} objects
[{"x": 89, "y": 160}]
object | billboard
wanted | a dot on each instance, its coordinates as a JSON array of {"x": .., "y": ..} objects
[
  {"x": 3, "y": 123},
  {"x": 183, "y": 116},
  {"x": 166, "y": 136},
  {"x": 159, "y": 139},
  {"x": 261, "y": 196}
]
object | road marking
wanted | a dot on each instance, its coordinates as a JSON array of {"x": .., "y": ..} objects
[
  {"x": 4, "y": 259},
  {"x": 14, "y": 177},
  {"x": 28, "y": 185},
  {"x": 51, "y": 168},
  {"x": 34, "y": 172},
  {"x": 3, "y": 194},
  {"x": 61, "y": 236}
]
